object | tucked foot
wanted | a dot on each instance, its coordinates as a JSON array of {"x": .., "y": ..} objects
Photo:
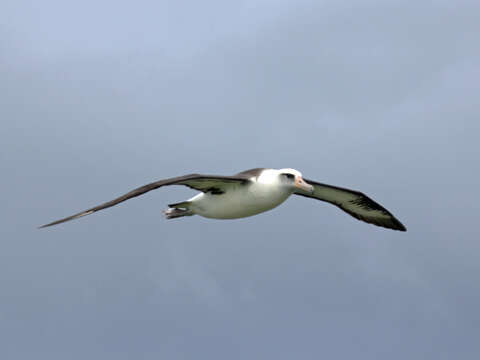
[{"x": 172, "y": 213}]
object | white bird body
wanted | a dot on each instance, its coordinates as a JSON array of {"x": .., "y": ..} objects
[{"x": 262, "y": 194}]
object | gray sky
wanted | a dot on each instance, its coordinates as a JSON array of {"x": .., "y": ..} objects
[{"x": 98, "y": 98}]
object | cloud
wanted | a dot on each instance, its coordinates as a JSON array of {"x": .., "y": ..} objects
[{"x": 100, "y": 98}]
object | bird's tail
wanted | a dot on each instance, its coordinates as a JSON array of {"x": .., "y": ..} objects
[{"x": 178, "y": 210}]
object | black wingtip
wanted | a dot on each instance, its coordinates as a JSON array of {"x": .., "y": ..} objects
[
  {"x": 44, "y": 226},
  {"x": 399, "y": 226}
]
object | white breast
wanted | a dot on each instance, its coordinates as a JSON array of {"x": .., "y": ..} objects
[{"x": 240, "y": 201}]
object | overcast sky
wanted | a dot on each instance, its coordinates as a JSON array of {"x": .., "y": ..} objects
[{"x": 97, "y": 98}]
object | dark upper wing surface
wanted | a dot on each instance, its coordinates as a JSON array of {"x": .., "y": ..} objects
[
  {"x": 207, "y": 183},
  {"x": 354, "y": 203}
]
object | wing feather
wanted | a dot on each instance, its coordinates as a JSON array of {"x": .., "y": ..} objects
[
  {"x": 355, "y": 203},
  {"x": 207, "y": 183}
]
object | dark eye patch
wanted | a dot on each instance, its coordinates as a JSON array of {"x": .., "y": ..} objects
[{"x": 289, "y": 176}]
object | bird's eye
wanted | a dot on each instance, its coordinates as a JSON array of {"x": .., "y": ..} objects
[{"x": 289, "y": 176}]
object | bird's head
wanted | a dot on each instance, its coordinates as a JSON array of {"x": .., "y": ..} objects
[{"x": 293, "y": 178}]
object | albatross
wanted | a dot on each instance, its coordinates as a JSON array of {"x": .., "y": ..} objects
[{"x": 252, "y": 192}]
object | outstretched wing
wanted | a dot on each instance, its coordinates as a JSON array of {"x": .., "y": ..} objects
[
  {"x": 206, "y": 183},
  {"x": 355, "y": 203}
]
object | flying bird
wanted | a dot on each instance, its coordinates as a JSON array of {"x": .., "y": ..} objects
[{"x": 252, "y": 192}]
